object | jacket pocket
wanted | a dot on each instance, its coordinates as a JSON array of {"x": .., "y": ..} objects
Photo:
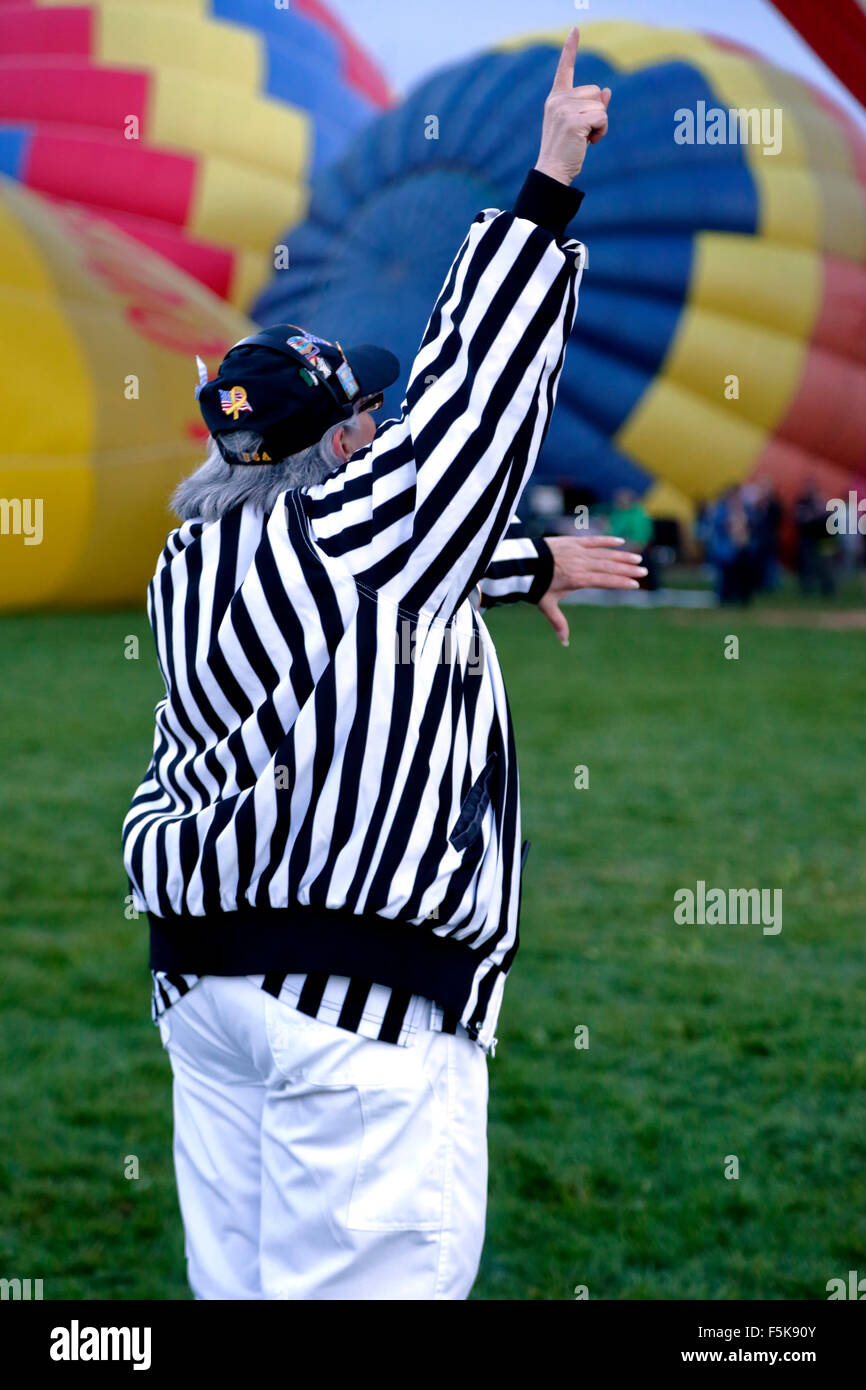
[{"x": 472, "y": 811}]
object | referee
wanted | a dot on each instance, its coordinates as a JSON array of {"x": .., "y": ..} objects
[{"x": 327, "y": 840}]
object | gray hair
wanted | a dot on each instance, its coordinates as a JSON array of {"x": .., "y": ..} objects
[{"x": 216, "y": 487}]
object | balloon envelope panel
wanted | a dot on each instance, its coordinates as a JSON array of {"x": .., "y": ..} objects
[
  {"x": 194, "y": 127},
  {"x": 97, "y": 354}
]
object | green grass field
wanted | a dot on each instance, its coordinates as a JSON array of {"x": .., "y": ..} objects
[{"x": 607, "y": 1164}]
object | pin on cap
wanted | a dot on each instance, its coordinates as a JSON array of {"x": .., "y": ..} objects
[
  {"x": 348, "y": 380},
  {"x": 202, "y": 375},
  {"x": 289, "y": 386}
]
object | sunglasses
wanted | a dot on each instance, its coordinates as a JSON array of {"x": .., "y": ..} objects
[{"x": 371, "y": 402}]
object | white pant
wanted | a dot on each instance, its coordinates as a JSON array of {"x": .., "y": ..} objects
[{"x": 315, "y": 1164}]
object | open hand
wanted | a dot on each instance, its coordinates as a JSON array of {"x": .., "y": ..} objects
[{"x": 586, "y": 562}]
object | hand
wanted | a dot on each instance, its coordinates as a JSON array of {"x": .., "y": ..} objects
[
  {"x": 587, "y": 562},
  {"x": 574, "y": 117}
]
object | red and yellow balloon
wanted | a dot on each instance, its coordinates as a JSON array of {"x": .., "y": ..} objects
[
  {"x": 98, "y": 375},
  {"x": 194, "y": 125}
]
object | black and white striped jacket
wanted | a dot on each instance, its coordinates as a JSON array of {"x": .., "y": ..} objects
[
  {"x": 521, "y": 568},
  {"x": 333, "y": 785}
]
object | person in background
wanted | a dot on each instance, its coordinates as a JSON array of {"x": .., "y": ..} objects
[
  {"x": 815, "y": 545},
  {"x": 731, "y": 548},
  {"x": 851, "y": 540},
  {"x": 703, "y": 525},
  {"x": 769, "y": 532},
  {"x": 628, "y": 519}
]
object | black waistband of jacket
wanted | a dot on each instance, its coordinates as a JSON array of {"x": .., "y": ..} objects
[{"x": 298, "y": 939}]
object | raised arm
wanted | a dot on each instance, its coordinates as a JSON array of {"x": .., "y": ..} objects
[{"x": 418, "y": 515}]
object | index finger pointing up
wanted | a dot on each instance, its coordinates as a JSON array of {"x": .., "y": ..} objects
[{"x": 564, "y": 79}]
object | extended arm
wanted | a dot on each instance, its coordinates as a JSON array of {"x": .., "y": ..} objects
[
  {"x": 543, "y": 570},
  {"x": 521, "y": 568}
]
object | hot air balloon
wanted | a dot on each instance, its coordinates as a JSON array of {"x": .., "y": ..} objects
[
  {"x": 720, "y": 330},
  {"x": 97, "y": 364},
  {"x": 195, "y": 130},
  {"x": 837, "y": 33}
]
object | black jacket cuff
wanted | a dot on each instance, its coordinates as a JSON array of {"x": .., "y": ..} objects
[
  {"x": 547, "y": 202},
  {"x": 544, "y": 575}
]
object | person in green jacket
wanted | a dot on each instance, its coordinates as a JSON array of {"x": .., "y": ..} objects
[{"x": 629, "y": 519}]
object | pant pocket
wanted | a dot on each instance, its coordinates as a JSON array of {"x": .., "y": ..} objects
[{"x": 400, "y": 1176}]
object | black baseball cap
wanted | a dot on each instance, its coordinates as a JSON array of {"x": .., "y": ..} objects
[{"x": 290, "y": 387}]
